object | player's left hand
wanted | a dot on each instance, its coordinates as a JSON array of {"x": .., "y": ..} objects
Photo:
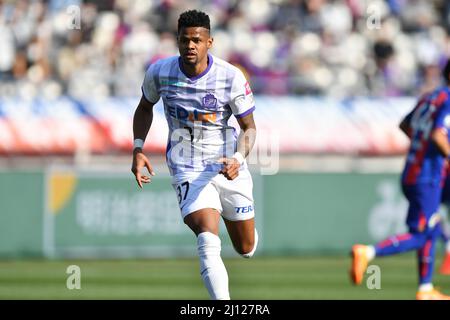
[{"x": 230, "y": 169}]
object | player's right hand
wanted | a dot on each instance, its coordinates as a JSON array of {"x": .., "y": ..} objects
[{"x": 139, "y": 162}]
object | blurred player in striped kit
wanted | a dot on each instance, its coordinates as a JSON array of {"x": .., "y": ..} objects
[
  {"x": 205, "y": 156},
  {"x": 422, "y": 181}
]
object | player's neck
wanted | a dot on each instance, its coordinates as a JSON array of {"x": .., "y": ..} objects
[{"x": 195, "y": 70}]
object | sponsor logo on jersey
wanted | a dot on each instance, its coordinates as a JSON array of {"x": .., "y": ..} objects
[
  {"x": 245, "y": 209},
  {"x": 173, "y": 82},
  {"x": 180, "y": 113}
]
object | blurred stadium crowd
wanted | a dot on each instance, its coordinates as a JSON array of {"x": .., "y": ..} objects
[{"x": 305, "y": 47}]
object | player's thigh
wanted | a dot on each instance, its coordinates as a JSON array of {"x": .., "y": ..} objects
[
  {"x": 242, "y": 234},
  {"x": 238, "y": 210},
  {"x": 236, "y": 196},
  {"x": 424, "y": 200},
  {"x": 203, "y": 220},
  {"x": 199, "y": 204}
]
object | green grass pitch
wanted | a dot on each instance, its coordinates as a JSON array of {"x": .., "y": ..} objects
[{"x": 291, "y": 278}]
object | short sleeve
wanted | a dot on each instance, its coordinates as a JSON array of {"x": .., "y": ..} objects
[
  {"x": 242, "y": 102},
  {"x": 408, "y": 117},
  {"x": 149, "y": 89},
  {"x": 443, "y": 117}
]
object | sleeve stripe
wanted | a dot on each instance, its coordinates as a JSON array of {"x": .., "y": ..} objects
[{"x": 246, "y": 112}]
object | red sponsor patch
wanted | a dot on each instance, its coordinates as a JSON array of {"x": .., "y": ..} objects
[{"x": 248, "y": 90}]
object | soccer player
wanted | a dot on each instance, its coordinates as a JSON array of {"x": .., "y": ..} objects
[
  {"x": 205, "y": 156},
  {"x": 426, "y": 126}
]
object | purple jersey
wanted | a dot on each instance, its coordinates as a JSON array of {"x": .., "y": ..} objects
[{"x": 424, "y": 163}]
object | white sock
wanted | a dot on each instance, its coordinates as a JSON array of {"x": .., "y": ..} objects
[
  {"x": 251, "y": 253},
  {"x": 212, "y": 269},
  {"x": 425, "y": 287},
  {"x": 370, "y": 253}
]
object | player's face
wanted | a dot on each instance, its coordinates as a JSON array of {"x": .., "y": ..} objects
[{"x": 193, "y": 44}]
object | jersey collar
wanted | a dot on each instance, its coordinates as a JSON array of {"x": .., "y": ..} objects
[{"x": 194, "y": 78}]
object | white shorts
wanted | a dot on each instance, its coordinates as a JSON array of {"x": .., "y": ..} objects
[{"x": 232, "y": 198}]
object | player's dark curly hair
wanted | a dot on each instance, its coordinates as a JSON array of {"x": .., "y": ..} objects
[
  {"x": 446, "y": 72},
  {"x": 193, "y": 18}
]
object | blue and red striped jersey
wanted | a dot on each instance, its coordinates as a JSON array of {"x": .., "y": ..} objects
[{"x": 424, "y": 163}]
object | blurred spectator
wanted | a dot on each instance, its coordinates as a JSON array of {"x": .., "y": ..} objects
[
  {"x": 382, "y": 81},
  {"x": 284, "y": 46}
]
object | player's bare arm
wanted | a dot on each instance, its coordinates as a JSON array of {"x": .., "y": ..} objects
[
  {"x": 142, "y": 120},
  {"x": 439, "y": 138},
  {"x": 245, "y": 143}
]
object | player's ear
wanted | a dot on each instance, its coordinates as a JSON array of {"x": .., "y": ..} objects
[{"x": 209, "y": 43}]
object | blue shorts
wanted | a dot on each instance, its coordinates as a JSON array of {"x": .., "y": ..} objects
[
  {"x": 424, "y": 200},
  {"x": 445, "y": 198}
]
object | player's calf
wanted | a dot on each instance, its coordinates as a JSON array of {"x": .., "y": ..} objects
[{"x": 212, "y": 269}]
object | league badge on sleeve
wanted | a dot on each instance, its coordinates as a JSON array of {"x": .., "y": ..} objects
[
  {"x": 209, "y": 101},
  {"x": 248, "y": 90}
]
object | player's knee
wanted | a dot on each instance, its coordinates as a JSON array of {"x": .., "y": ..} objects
[
  {"x": 244, "y": 248},
  {"x": 208, "y": 244},
  {"x": 248, "y": 248}
]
